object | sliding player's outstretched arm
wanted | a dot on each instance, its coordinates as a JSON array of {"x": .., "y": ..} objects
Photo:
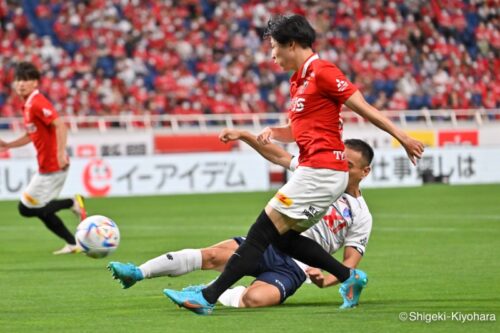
[
  {"x": 271, "y": 152},
  {"x": 351, "y": 259}
]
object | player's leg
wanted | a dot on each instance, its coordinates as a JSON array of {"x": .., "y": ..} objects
[
  {"x": 174, "y": 263},
  {"x": 242, "y": 262},
  {"x": 260, "y": 294},
  {"x": 267, "y": 229},
  {"x": 245, "y": 259},
  {"x": 38, "y": 201},
  {"x": 278, "y": 277},
  {"x": 311, "y": 253},
  {"x": 181, "y": 262}
]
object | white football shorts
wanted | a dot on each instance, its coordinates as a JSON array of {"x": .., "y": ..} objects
[
  {"x": 43, "y": 188},
  {"x": 309, "y": 193}
]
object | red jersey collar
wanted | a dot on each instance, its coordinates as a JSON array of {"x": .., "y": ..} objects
[
  {"x": 30, "y": 97},
  {"x": 305, "y": 66}
]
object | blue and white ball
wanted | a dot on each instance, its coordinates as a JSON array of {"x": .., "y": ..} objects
[{"x": 98, "y": 236}]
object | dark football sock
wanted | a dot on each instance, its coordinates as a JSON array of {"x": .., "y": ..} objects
[
  {"x": 311, "y": 253},
  {"x": 246, "y": 258},
  {"x": 56, "y": 225}
]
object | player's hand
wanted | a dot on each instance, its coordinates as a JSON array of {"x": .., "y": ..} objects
[
  {"x": 414, "y": 149},
  {"x": 63, "y": 161},
  {"x": 265, "y": 136},
  {"x": 316, "y": 276},
  {"x": 229, "y": 134}
]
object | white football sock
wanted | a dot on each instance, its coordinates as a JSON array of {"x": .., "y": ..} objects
[
  {"x": 172, "y": 264},
  {"x": 231, "y": 297}
]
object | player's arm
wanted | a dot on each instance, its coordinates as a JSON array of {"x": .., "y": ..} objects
[
  {"x": 61, "y": 138},
  {"x": 19, "y": 142},
  {"x": 358, "y": 104},
  {"x": 271, "y": 152},
  {"x": 352, "y": 257},
  {"x": 282, "y": 134}
]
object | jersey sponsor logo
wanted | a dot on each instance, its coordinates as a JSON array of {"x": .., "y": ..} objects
[
  {"x": 339, "y": 155},
  {"x": 47, "y": 112},
  {"x": 341, "y": 85},
  {"x": 298, "y": 104},
  {"x": 283, "y": 199},
  {"x": 337, "y": 221}
]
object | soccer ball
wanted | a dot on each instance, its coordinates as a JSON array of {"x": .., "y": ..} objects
[{"x": 98, "y": 236}]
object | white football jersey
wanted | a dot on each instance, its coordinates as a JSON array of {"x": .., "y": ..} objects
[{"x": 347, "y": 223}]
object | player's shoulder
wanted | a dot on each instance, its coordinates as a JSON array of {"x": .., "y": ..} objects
[
  {"x": 321, "y": 65},
  {"x": 43, "y": 104},
  {"x": 359, "y": 208},
  {"x": 40, "y": 100}
]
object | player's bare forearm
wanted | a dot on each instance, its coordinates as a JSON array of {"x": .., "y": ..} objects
[
  {"x": 358, "y": 104},
  {"x": 351, "y": 259},
  {"x": 271, "y": 152},
  {"x": 61, "y": 138},
  {"x": 282, "y": 134},
  {"x": 19, "y": 142}
]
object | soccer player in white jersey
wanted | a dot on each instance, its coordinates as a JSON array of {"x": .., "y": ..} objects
[{"x": 347, "y": 224}]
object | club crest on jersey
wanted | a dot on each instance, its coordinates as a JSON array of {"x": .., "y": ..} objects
[
  {"x": 303, "y": 87},
  {"x": 346, "y": 213}
]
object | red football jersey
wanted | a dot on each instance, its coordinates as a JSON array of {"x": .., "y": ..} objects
[
  {"x": 38, "y": 115},
  {"x": 318, "y": 91}
]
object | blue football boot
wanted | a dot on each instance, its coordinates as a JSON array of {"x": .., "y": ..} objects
[
  {"x": 350, "y": 289},
  {"x": 127, "y": 274},
  {"x": 192, "y": 300}
]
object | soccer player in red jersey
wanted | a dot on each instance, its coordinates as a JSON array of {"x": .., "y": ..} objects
[
  {"x": 48, "y": 133},
  {"x": 318, "y": 90}
]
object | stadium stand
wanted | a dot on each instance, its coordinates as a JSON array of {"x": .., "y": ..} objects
[{"x": 142, "y": 58}]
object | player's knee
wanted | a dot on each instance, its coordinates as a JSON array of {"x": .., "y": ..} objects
[
  {"x": 25, "y": 211},
  {"x": 30, "y": 212},
  {"x": 255, "y": 300}
]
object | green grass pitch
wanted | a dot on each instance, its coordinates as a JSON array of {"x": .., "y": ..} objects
[{"x": 433, "y": 249}]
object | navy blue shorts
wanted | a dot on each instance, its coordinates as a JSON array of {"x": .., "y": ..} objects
[{"x": 280, "y": 270}]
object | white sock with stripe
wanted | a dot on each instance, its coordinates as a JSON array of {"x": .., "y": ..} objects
[{"x": 172, "y": 264}]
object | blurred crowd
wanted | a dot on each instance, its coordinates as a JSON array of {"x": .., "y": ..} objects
[{"x": 109, "y": 57}]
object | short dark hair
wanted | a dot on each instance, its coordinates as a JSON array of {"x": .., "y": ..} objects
[
  {"x": 287, "y": 28},
  {"x": 362, "y": 147},
  {"x": 26, "y": 71}
]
